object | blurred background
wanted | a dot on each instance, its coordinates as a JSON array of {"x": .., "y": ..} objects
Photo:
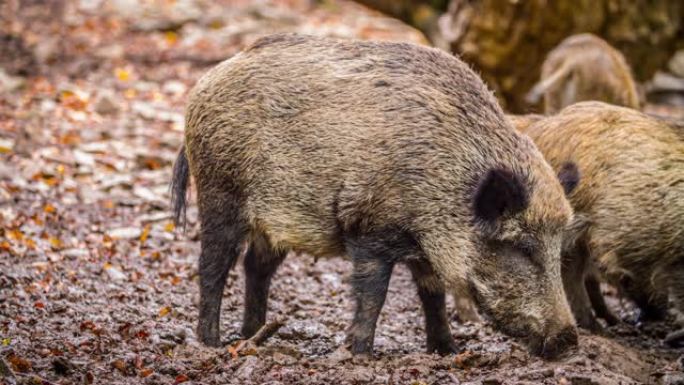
[{"x": 505, "y": 40}]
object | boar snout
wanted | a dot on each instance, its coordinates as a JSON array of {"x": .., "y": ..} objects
[{"x": 555, "y": 343}]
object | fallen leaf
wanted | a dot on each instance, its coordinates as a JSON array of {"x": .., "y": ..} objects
[
  {"x": 19, "y": 364},
  {"x": 145, "y": 234},
  {"x": 181, "y": 378},
  {"x": 164, "y": 311},
  {"x": 56, "y": 243},
  {"x": 461, "y": 359},
  {"x": 119, "y": 365},
  {"x": 122, "y": 74}
]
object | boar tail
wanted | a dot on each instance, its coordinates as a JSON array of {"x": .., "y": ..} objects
[
  {"x": 179, "y": 187},
  {"x": 552, "y": 81}
]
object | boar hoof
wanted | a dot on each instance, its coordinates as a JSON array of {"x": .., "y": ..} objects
[
  {"x": 591, "y": 324},
  {"x": 651, "y": 313},
  {"x": 361, "y": 348},
  {"x": 444, "y": 346},
  {"x": 555, "y": 345},
  {"x": 611, "y": 319},
  {"x": 209, "y": 335}
]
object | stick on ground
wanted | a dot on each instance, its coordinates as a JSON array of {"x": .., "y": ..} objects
[{"x": 264, "y": 333}]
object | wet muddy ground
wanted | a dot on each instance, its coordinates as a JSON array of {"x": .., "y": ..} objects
[{"x": 98, "y": 287}]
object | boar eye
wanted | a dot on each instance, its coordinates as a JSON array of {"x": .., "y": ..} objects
[{"x": 526, "y": 247}]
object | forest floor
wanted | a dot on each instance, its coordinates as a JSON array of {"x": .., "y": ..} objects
[{"x": 98, "y": 287}]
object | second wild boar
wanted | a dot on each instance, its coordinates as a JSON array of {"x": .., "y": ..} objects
[{"x": 629, "y": 205}]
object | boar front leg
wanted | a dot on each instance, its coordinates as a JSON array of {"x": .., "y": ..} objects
[
  {"x": 574, "y": 271},
  {"x": 373, "y": 263},
  {"x": 222, "y": 234},
  {"x": 261, "y": 262},
  {"x": 593, "y": 287},
  {"x": 652, "y": 302},
  {"x": 432, "y": 296}
]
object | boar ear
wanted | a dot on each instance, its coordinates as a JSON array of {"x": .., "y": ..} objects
[
  {"x": 569, "y": 176},
  {"x": 499, "y": 192}
]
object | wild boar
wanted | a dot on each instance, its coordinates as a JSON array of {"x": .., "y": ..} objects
[
  {"x": 629, "y": 205},
  {"x": 581, "y": 68},
  {"x": 387, "y": 153}
]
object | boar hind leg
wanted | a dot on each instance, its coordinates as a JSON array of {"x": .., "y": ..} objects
[
  {"x": 593, "y": 287},
  {"x": 222, "y": 234},
  {"x": 261, "y": 262},
  {"x": 676, "y": 287},
  {"x": 432, "y": 295}
]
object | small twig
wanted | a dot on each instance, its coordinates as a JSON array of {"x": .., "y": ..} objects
[
  {"x": 266, "y": 332},
  {"x": 258, "y": 338}
]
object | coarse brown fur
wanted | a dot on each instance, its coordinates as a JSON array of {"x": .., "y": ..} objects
[
  {"x": 581, "y": 68},
  {"x": 384, "y": 152},
  {"x": 521, "y": 122},
  {"x": 629, "y": 204}
]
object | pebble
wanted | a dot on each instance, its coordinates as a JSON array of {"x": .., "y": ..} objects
[
  {"x": 115, "y": 274},
  {"x": 125, "y": 233},
  {"x": 303, "y": 330},
  {"x": 105, "y": 104}
]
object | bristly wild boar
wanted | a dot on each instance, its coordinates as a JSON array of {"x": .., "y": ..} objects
[
  {"x": 383, "y": 152},
  {"x": 581, "y": 68},
  {"x": 629, "y": 205}
]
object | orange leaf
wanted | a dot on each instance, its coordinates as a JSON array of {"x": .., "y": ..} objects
[
  {"x": 30, "y": 243},
  {"x": 49, "y": 208},
  {"x": 169, "y": 227},
  {"x": 15, "y": 234},
  {"x": 55, "y": 243},
  {"x": 171, "y": 37},
  {"x": 146, "y": 372},
  {"x": 181, "y": 378},
  {"x": 164, "y": 311},
  {"x": 119, "y": 365},
  {"x": 145, "y": 233},
  {"x": 122, "y": 74},
  {"x": 19, "y": 364}
]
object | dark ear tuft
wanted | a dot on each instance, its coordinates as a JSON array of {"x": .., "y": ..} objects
[
  {"x": 499, "y": 192},
  {"x": 569, "y": 176}
]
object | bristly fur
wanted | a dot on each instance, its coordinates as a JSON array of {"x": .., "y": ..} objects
[{"x": 179, "y": 188}]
